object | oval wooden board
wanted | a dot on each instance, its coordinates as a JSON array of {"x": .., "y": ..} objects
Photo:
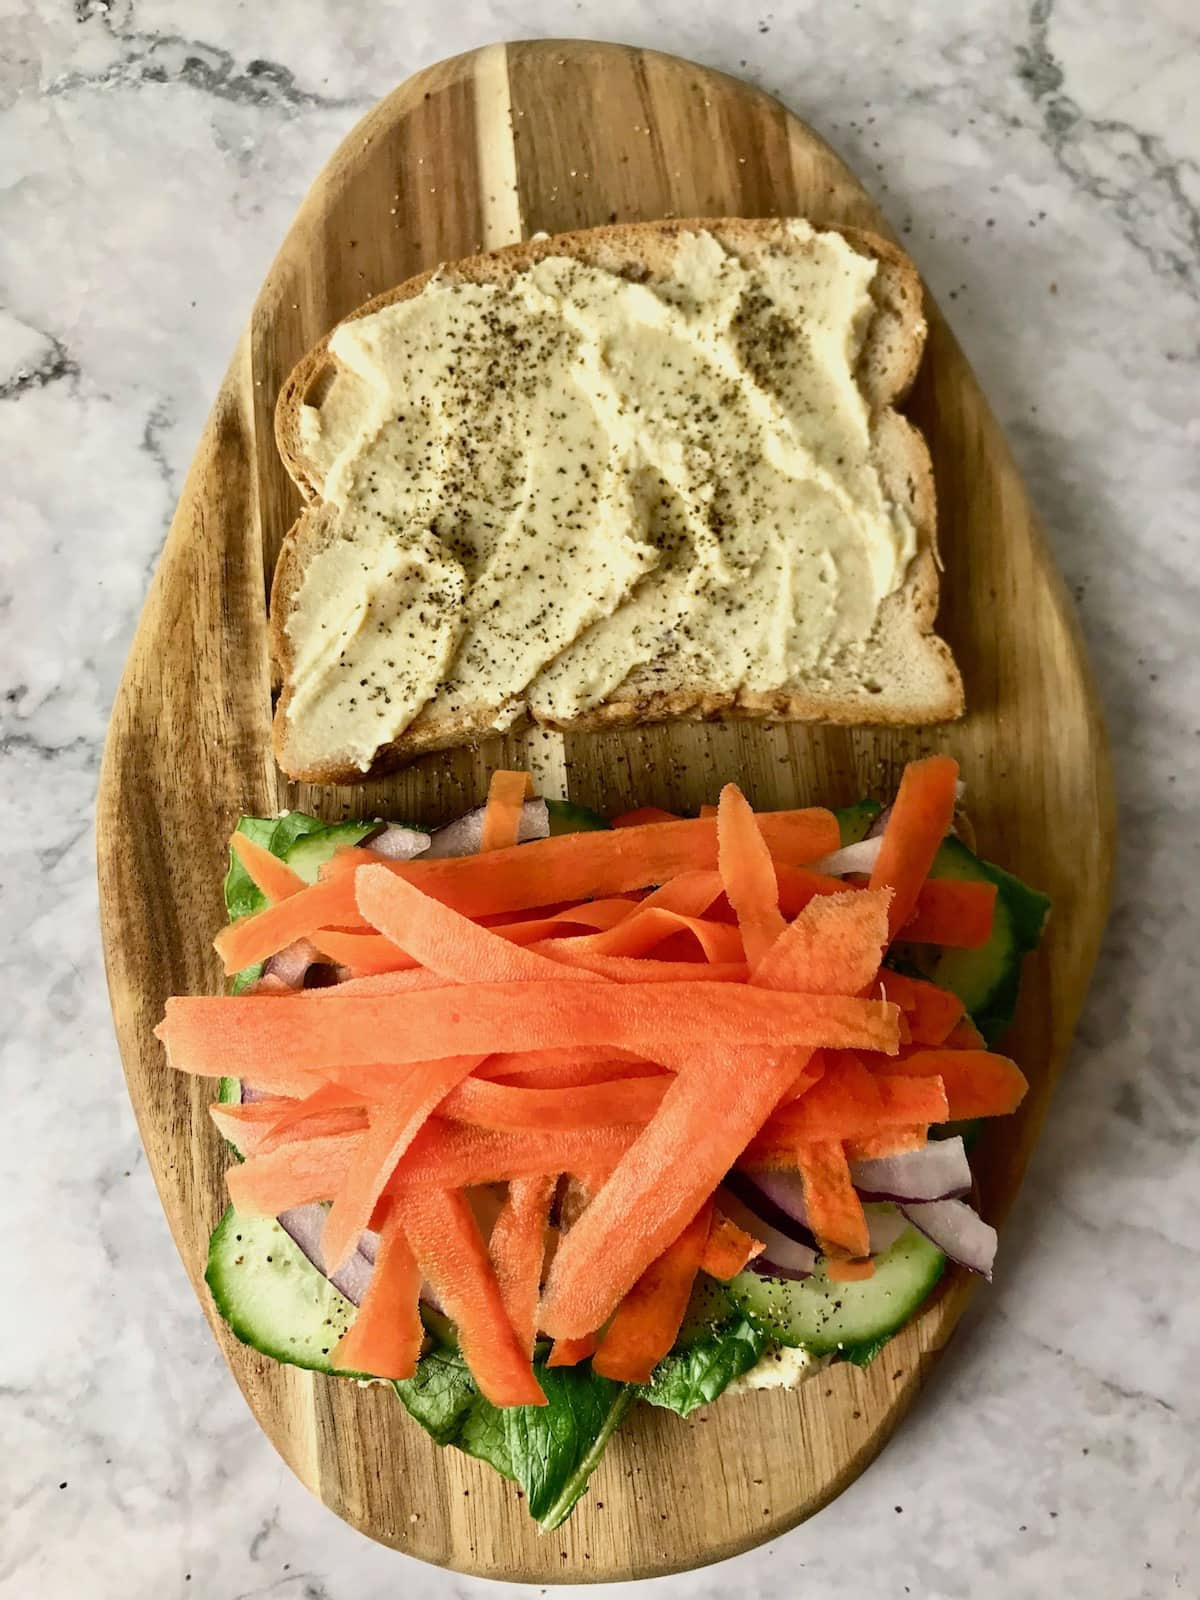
[{"x": 477, "y": 152}]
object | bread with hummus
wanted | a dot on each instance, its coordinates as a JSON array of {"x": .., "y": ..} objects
[{"x": 616, "y": 476}]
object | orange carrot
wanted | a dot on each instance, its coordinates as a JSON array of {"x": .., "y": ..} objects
[
  {"x": 271, "y": 876},
  {"x": 452, "y": 1155},
  {"x": 507, "y": 794},
  {"x": 920, "y": 819},
  {"x": 977, "y": 1083},
  {"x": 797, "y": 886},
  {"x": 931, "y": 1012},
  {"x": 838, "y": 1270},
  {"x": 952, "y": 913},
  {"x": 578, "y": 1075},
  {"x": 214, "y": 1034},
  {"x": 555, "y": 1069},
  {"x": 597, "y": 1105},
  {"x": 710, "y": 1112},
  {"x": 443, "y": 940},
  {"x": 364, "y": 953},
  {"x": 835, "y": 1212},
  {"x": 384, "y": 1340},
  {"x": 293, "y": 1175},
  {"x": 748, "y": 874},
  {"x": 887, "y": 1142},
  {"x": 249, "y": 1126},
  {"x": 708, "y": 811},
  {"x": 689, "y": 893},
  {"x": 593, "y": 914},
  {"x": 640, "y": 969},
  {"x": 648, "y": 1318},
  {"x": 728, "y": 1249},
  {"x": 564, "y": 869},
  {"x": 643, "y": 816},
  {"x": 327, "y": 904},
  {"x": 518, "y": 1248},
  {"x": 650, "y": 925},
  {"x": 849, "y": 1102},
  {"x": 330, "y": 1097},
  {"x": 570, "y": 1352},
  {"x": 832, "y": 947},
  {"x": 964, "y": 1035},
  {"x": 445, "y": 1239},
  {"x": 393, "y": 1126}
]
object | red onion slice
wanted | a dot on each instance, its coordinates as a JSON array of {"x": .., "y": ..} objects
[
  {"x": 774, "y": 1198},
  {"x": 938, "y": 1171},
  {"x": 860, "y": 857},
  {"x": 957, "y": 1231},
  {"x": 782, "y": 1257},
  {"x": 463, "y": 836},
  {"x": 303, "y": 1224},
  {"x": 291, "y": 965},
  {"x": 397, "y": 843},
  {"x": 884, "y": 1227}
]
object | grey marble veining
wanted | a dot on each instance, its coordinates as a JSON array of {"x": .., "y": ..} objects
[{"x": 1043, "y": 164}]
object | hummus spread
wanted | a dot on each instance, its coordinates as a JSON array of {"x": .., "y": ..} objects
[
  {"x": 780, "y": 1366},
  {"x": 543, "y": 487}
]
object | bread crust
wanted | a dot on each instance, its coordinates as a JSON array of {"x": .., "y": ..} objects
[{"x": 888, "y": 364}]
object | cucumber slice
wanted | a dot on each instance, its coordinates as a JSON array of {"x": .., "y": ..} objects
[
  {"x": 271, "y": 1295},
  {"x": 568, "y": 818},
  {"x": 854, "y": 822},
  {"x": 309, "y": 854},
  {"x": 824, "y": 1317},
  {"x": 985, "y": 980}
]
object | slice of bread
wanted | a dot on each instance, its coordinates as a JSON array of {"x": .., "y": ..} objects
[{"x": 903, "y": 674}]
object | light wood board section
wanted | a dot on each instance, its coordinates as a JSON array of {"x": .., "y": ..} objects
[{"x": 476, "y": 152}]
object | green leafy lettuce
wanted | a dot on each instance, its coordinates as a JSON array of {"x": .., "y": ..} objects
[
  {"x": 703, "y": 1369},
  {"x": 548, "y": 1451}
]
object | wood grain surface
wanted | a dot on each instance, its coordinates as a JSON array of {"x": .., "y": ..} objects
[{"x": 477, "y": 152}]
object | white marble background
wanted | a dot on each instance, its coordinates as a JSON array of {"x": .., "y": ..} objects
[{"x": 1042, "y": 162}]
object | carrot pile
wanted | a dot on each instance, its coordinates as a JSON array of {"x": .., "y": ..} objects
[{"x": 627, "y": 1014}]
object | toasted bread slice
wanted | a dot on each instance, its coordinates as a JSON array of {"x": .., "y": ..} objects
[{"x": 904, "y": 674}]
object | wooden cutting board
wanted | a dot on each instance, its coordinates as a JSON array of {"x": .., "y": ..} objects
[{"x": 474, "y": 153}]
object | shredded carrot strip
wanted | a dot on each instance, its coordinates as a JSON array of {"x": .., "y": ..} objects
[
  {"x": 507, "y": 794},
  {"x": 384, "y": 1340},
  {"x": 445, "y": 1239},
  {"x": 518, "y": 1248},
  {"x": 570, "y": 1352},
  {"x": 748, "y": 874},
  {"x": 643, "y": 816},
  {"x": 271, "y": 876},
  {"x": 839, "y": 1270},
  {"x": 596, "y": 1105},
  {"x": 647, "y": 1320},
  {"x": 728, "y": 1250},
  {"x": 835, "y": 1212},
  {"x": 393, "y": 1128},
  {"x": 920, "y": 819},
  {"x": 237, "y": 1035}
]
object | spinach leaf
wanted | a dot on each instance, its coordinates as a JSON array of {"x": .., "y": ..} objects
[
  {"x": 549, "y": 1451},
  {"x": 555, "y": 1447},
  {"x": 863, "y": 1354},
  {"x": 441, "y": 1395},
  {"x": 703, "y": 1369},
  {"x": 241, "y": 895}
]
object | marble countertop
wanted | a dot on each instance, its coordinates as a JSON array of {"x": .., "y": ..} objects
[{"x": 1043, "y": 163}]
